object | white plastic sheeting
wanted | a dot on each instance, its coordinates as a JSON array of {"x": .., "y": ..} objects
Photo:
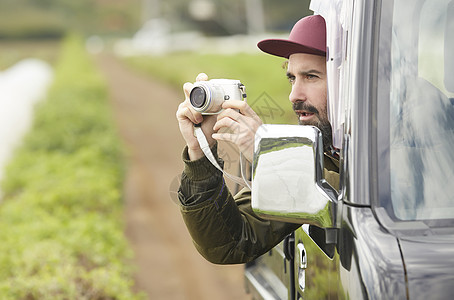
[{"x": 21, "y": 86}]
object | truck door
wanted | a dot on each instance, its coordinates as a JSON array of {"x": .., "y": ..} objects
[
  {"x": 271, "y": 275},
  {"x": 316, "y": 274}
]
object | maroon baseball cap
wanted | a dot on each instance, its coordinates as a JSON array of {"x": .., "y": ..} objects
[{"x": 308, "y": 35}]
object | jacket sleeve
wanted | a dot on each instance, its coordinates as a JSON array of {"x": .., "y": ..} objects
[{"x": 224, "y": 229}]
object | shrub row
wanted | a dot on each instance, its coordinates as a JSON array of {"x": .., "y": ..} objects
[{"x": 61, "y": 229}]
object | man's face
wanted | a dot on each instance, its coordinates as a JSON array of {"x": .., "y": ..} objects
[{"x": 307, "y": 75}]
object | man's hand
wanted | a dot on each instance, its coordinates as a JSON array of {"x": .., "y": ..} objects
[
  {"x": 241, "y": 123},
  {"x": 187, "y": 117}
]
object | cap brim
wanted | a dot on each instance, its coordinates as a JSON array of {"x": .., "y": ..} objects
[{"x": 285, "y": 48}]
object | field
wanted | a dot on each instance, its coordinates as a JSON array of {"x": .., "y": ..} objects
[{"x": 61, "y": 213}]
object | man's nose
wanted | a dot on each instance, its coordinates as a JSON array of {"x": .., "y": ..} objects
[{"x": 297, "y": 93}]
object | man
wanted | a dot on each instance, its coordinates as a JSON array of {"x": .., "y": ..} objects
[{"x": 224, "y": 228}]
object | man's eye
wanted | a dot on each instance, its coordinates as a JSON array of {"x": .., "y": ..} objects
[
  {"x": 291, "y": 79},
  {"x": 311, "y": 76}
]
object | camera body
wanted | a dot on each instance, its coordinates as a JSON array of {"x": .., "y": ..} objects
[{"x": 207, "y": 96}]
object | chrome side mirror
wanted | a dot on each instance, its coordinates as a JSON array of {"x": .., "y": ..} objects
[{"x": 287, "y": 176}]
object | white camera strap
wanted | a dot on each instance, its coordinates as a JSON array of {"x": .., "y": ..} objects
[{"x": 207, "y": 151}]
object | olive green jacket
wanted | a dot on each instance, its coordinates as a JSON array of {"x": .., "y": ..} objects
[{"x": 224, "y": 229}]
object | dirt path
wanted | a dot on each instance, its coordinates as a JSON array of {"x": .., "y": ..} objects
[{"x": 169, "y": 267}]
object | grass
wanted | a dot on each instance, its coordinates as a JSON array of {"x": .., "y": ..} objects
[
  {"x": 61, "y": 226},
  {"x": 263, "y": 76}
]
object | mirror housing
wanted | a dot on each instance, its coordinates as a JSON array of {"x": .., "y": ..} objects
[{"x": 287, "y": 176}]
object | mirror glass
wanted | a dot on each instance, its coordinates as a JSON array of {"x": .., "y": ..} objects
[{"x": 288, "y": 160}]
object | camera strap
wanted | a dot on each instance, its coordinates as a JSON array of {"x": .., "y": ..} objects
[{"x": 207, "y": 151}]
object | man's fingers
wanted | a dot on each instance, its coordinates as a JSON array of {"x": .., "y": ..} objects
[
  {"x": 225, "y": 123},
  {"x": 233, "y": 120},
  {"x": 242, "y": 143},
  {"x": 242, "y": 106},
  {"x": 225, "y": 136},
  {"x": 187, "y": 87},
  {"x": 230, "y": 113},
  {"x": 185, "y": 112},
  {"x": 202, "y": 77}
]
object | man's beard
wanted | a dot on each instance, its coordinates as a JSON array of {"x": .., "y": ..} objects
[{"x": 321, "y": 122}]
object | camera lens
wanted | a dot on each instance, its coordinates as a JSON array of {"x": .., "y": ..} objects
[{"x": 197, "y": 97}]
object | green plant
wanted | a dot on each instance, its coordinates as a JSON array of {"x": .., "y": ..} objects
[{"x": 60, "y": 218}]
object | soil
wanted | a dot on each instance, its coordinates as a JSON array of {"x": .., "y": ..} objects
[{"x": 168, "y": 266}]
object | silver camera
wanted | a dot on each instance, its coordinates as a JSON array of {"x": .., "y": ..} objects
[{"x": 207, "y": 96}]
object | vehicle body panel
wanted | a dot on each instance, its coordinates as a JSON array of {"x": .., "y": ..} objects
[
  {"x": 370, "y": 259},
  {"x": 429, "y": 264}
]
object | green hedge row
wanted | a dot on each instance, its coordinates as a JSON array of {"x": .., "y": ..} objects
[{"x": 61, "y": 228}]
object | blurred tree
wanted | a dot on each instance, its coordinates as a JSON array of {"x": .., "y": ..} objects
[
  {"x": 52, "y": 18},
  {"x": 282, "y": 15},
  {"x": 226, "y": 17}
]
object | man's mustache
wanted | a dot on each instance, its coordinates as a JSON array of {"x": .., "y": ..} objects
[{"x": 302, "y": 105}]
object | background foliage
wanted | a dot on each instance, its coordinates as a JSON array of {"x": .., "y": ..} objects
[
  {"x": 263, "y": 75},
  {"x": 53, "y": 18},
  {"x": 61, "y": 227},
  {"x": 13, "y": 51}
]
